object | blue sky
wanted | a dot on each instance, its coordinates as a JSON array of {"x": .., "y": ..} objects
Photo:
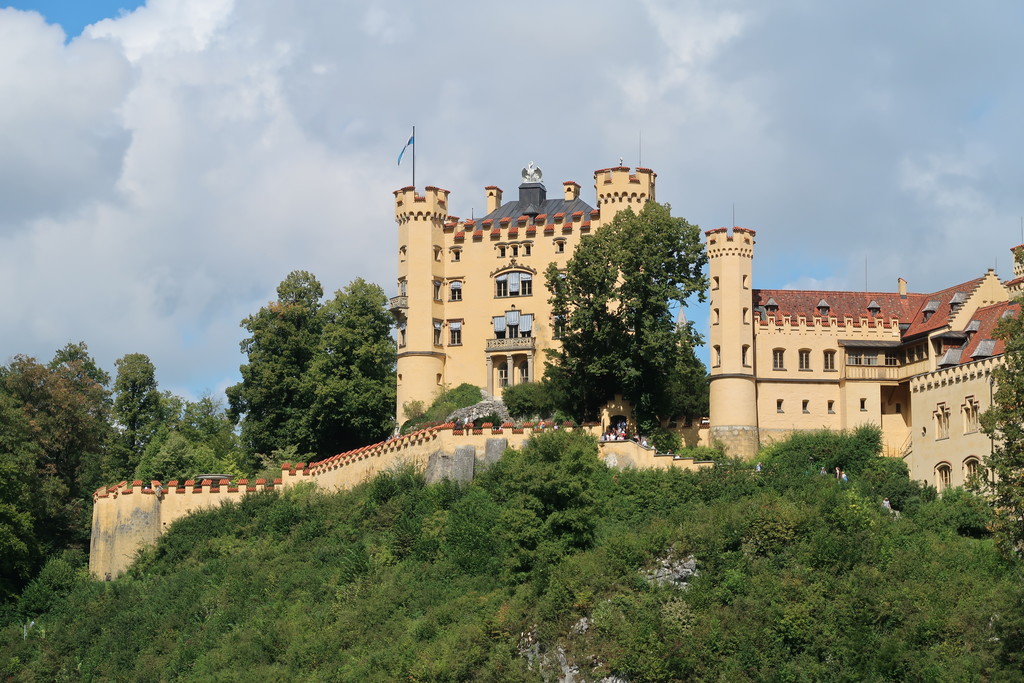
[
  {"x": 163, "y": 170},
  {"x": 75, "y": 15}
]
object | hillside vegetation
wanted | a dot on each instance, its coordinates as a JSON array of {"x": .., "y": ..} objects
[{"x": 543, "y": 564}]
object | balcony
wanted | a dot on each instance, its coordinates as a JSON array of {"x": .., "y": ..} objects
[
  {"x": 884, "y": 373},
  {"x": 399, "y": 303},
  {"x": 514, "y": 344}
]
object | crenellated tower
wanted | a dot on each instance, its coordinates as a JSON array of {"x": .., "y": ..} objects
[
  {"x": 617, "y": 188},
  {"x": 419, "y": 307},
  {"x": 733, "y": 387}
]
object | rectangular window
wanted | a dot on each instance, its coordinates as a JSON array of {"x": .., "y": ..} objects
[
  {"x": 437, "y": 290},
  {"x": 503, "y": 375},
  {"x": 401, "y": 334},
  {"x": 499, "y": 327},
  {"x": 526, "y": 285},
  {"x": 806, "y": 405},
  {"x": 831, "y": 407},
  {"x": 524, "y": 373},
  {"x": 501, "y": 252},
  {"x": 455, "y": 333},
  {"x": 558, "y": 326},
  {"x": 778, "y": 359},
  {"x": 455, "y": 291},
  {"x": 970, "y": 409},
  {"x": 941, "y": 416},
  {"x": 456, "y": 254},
  {"x": 854, "y": 358},
  {"x": 778, "y": 406},
  {"x": 892, "y": 358},
  {"x": 437, "y": 333},
  {"x": 515, "y": 250},
  {"x": 864, "y": 405},
  {"x": 527, "y": 249},
  {"x": 830, "y": 360},
  {"x": 501, "y": 285},
  {"x": 805, "y": 359},
  {"x": 560, "y": 246},
  {"x": 743, "y": 356},
  {"x": 870, "y": 359},
  {"x": 402, "y": 288}
]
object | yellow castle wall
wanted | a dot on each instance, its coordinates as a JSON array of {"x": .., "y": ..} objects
[{"x": 128, "y": 518}]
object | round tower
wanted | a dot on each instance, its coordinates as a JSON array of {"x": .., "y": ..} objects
[
  {"x": 733, "y": 385},
  {"x": 617, "y": 188},
  {"x": 419, "y": 306}
]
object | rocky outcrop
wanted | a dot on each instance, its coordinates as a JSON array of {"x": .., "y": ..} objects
[
  {"x": 672, "y": 569},
  {"x": 493, "y": 406}
]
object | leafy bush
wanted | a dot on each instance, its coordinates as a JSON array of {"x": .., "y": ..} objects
[
  {"x": 529, "y": 400},
  {"x": 447, "y": 402},
  {"x": 666, "y": 441}
]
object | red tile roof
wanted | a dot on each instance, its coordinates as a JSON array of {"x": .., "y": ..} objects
[
  {"x": 797, "y": 302},
  {"x": 988, "y": 317},
  {"x": 909, "y": 310}
]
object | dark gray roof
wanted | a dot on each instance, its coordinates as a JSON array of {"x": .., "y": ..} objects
[
  {"x": 869, "y": 343},
  {"x": 986, "y": 347},
  {"x": 951, "y": 357},
  {"x": 932, "y": 306},
  {"x": 515, "y": 209},
  {"x": 873, "y": 306},
  {"x": 823, "y": 304},
  {"x": 973, "y": 326},
  {"x": 958, "y": 298}
]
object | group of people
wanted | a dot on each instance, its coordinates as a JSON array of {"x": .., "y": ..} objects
[{"x": 618, "y": 432}]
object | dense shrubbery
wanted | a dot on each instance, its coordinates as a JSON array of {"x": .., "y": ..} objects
[
  {"x": 801, "y": 577},
  {"x": 446, "y": 403}
]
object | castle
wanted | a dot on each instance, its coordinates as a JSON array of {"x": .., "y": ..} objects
[
  {"x": 471, "y": 309},
  {"x": 472, "y": 305},
  {"x": 917, "y": 365}
]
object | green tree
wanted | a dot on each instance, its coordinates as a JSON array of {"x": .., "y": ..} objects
[
  {"x": 320, "y": 376},
  {"x": 63, "y": 419},
  {"x": 271, "y": 400},
  {"x": 1004, "y": 423},
  {"x": 352, "y": 376},
  {"x": 18, "y": 456},
  {"x": 137, "y": 409},
  {"x": 616, "y": 297}
]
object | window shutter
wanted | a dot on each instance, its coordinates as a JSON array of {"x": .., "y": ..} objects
[
  {"x": 455, "y": 285},
  {"x": 513, "y": 284},
  {"x": 526, "y": 323},
  {"x": 455, "y": 325},
  {"x": 499, "y": 323},
  {"x": 437, "y": 325},
  {"x": 512, "y": 317}
]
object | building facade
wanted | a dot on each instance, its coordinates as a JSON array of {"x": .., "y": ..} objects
[
  {"x": 917, "y": 365},
  {"x": 472, "y": 305}
]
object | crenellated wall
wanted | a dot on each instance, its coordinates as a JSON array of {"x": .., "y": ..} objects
[{"x": 126, "y": 518}]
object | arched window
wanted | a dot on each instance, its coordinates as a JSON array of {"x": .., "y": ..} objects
[
  {"x": 972, "y": 468},
  {"x": 514, "y": 283},
  {"x": 943, "y": 476},
  {"x": 717, "y": 358},
  {"x": 503, "y": 375},
  {"x": 745, "y": 356},
  {"x": 455, "y": 290}
]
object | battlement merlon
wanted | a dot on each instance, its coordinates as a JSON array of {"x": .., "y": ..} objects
[{"x": 432, "y": 204}]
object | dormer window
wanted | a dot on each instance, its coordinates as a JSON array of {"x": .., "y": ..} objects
[
  {"x": 957, "y": 301},
  {"x": 771, "y": 305},
  {"x": 823, "y": 308},
  {"x": 874, "y": 308},
  {"x": 929, "y": 310}
]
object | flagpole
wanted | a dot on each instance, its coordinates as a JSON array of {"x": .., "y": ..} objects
[{"x": 414, "y": 157}]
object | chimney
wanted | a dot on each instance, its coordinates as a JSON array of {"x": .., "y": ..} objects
[
  {"x": 572, "y": 190},
  {"x": 493, "y": 198},
  {"x": 902, "y": 286},
  {"x": 532, "y": 197}
]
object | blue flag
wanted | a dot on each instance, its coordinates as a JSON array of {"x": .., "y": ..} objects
[{"x": 412, "y": 141}]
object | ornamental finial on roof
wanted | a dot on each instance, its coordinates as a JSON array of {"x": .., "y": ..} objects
[{"x": 532, "y": 173}]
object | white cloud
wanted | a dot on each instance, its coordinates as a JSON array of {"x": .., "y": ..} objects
[{"x": 161, "y": 173}]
